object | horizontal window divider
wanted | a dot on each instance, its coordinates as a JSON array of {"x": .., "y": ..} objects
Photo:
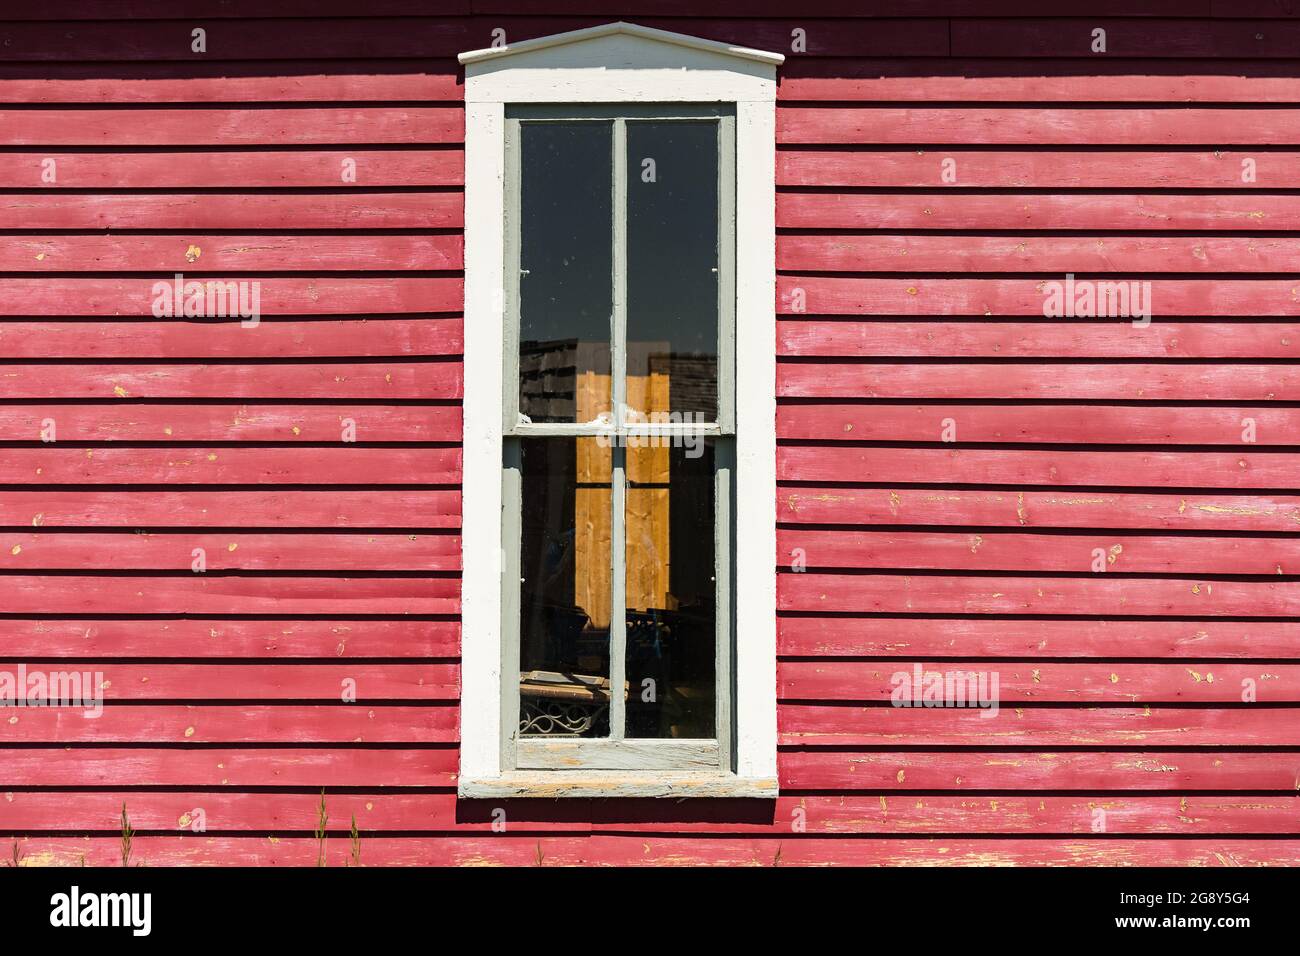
[{"x": 591, "y": 430}]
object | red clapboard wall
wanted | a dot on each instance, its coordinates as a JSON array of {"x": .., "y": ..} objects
[{"x": 905, "y": 302}]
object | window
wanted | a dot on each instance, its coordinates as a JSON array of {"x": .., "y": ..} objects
[
  {"x": 618, "y": 437},
  {"x": 619, "y": 494}
]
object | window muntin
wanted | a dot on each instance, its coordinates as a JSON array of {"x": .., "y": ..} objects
[{"x": 637, "y": 460}]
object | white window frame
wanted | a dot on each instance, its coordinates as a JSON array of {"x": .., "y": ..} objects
[{"x": 620, "y": 63}]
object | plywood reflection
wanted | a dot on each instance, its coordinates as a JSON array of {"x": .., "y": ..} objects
[{"x": 647, "y": 552}]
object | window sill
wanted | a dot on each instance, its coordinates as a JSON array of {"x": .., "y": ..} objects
[{"x": 562, "y": 783}]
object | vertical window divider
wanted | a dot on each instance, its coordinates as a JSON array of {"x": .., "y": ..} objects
[
  {"x": 618, "y": 594},
  {"x": 726, "y": 126},
  {"x": 511, "y": 580},
  {"x": 618, "y": 471},
  {"x": 511, "y": 293},
  {"x": 724, "y": 488},
  {"x": 725, "y": 448},
  {"x": 512, "y": 486}
]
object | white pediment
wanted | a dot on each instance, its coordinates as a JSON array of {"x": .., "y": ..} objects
[
  {"x": 647, "y": 44},
  {"x": 619, "y": 62}
]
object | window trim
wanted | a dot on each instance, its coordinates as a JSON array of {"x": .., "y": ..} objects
[{"x": 620, "y": 63}]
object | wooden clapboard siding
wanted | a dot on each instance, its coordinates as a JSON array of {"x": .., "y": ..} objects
[
  {"x": 1062, "y": 79},
  {"x": 281, "y": 212},
  {"x": 202, "y": 423},
  {"x": 232, "y": 724},
  {"x": 338, "y": 638},
  {"x": 281, "y": 39},
  {"x": 40, "y": 550},
  {"x": 1199, "y": 469},
  {"x": 974, "y": 297},
  {"x": 1125, "y": 38},
  {"x": 1037, "y": 380},
  {"x": 417, "y": 80},
  {"x": 1009, "y": 507},
  {"x": 1098, "y": 594},
  {"x": 1133, "y": 169},
  {"x": 1110, "y": 726},
  {"x": 1009, "y": 209},
  {"x": 300, "y": 169},
  {"x": 851, "y": 814},
  {"x": 231, "y": 766},
  {"x": 843, "y": 337},
  {"x": 254, "y": 682},
  {"x": 1039, "y": 424},
  {"x": 606, "y": 849},
  {"x": 1149, "y": 253},
  {"x": 224, "y": 254},
  {"x": 952, "y": 462},
  {"x": 140, "y": 297},
  {"x": 803, "y": 124},
  {"x": 398, "y": 378},
  {"x": 811, "y": 636},
  {"x": 1023, "y": 682},
  {"x": 218, "y": 593},
  {"x": 1088, "y": 509},
  {"x": 315, "y": 508},
  {"x": 1139, "y": 769},
  {"x": 335, "y": 464},
  {"x": 1014, "y": 551},
  {"x": 214, "y": 126},
  {"x": 330, "y": 559}
]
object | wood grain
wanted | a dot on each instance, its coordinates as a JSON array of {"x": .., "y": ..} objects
[{"x": 1121, "y": 690}]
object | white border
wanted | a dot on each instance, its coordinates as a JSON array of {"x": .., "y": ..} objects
[{"x": 620, "y": 63}]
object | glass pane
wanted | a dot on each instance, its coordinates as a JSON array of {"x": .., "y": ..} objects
[
  {"x": 671, "y": 593},
  {"x": 566, "y": 254},
  {"x": 672, "y": 277},
  {"x": 564, "y": 596}
]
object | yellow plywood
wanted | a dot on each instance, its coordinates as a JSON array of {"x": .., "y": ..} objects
[
  {"x": 647, "y": 551},
  {"x": 591, "y": 514},
  {"x": 647, "y": 508}
]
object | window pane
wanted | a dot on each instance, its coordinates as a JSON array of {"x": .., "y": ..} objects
[
  {"x": 671, "y": 592},
  {"x": 564, "y": 596},
  {"x": 566, "y": 251},
  {"x": 672, "y": 262}
]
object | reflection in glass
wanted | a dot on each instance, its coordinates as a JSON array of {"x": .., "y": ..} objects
[
  {"x": 671, "y": 593},
  {"x": 564, "y": 595},
  {"x": 672, "y": 269},
  {"x": 566, "y": 263}
]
